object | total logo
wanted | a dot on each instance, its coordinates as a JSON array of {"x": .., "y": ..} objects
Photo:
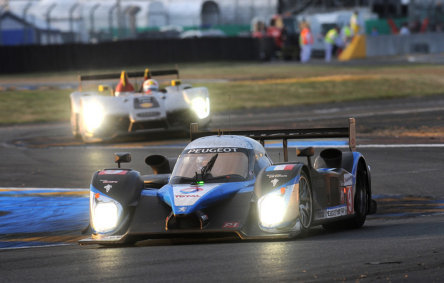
[{"x": 191, "y": 190}]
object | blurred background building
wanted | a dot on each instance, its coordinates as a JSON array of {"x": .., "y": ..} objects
[
  {"x": 92, "y": 21},
  {"x": 100, "y": 20}
]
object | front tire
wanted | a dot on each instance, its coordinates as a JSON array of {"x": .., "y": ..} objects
[
  {"x": 305, "y": 203},
  {"x": 75, "y": 124}
]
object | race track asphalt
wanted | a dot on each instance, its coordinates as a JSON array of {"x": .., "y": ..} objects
[{"x": 403, "y": 242}]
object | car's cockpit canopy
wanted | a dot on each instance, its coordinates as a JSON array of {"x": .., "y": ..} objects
[{"x": 212, "y": 165}]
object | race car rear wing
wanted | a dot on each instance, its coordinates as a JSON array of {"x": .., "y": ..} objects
[
  {"x": 130, "y": 75},
  {"x": 288, "y": 134},
  {"x": 116, "y": 76}
]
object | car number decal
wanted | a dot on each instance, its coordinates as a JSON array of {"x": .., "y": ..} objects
[{"x": 349, "y": 199}]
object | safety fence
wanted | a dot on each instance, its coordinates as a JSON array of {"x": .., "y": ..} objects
[
  {"x": 389, "y": 45},
  {"x": 35, "y": 58}
]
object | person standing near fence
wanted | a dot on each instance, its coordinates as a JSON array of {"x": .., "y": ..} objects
[
  {"x": 330, "y": 40},
  {"x": 354, "y": 22},
  {"x": 346, "y": 35},
  {"x": 305, "y": 42}
]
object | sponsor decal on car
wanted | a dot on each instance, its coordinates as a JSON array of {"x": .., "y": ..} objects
[
  {"x": 332, "y": 212},
  {"x": 109, "y": 182},
  {"x": 145, "y": 102},
  {"x": 113, "y": 172},
  {"x": 213, "y": 150},
  {"x": 274, "y": 182},
  {"x": 336, "y": 211},
  {"x": 146, "y": 105},
  {"x": 184, "y": 195},
  {"x": 284, "y": 167},
  {"x": 191, "y": 190},
  {"x": 231, "y": 225},
  {"x": 271, "y": 176}
]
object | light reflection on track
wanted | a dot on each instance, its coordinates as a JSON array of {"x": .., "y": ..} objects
[
  {"x": 32, "y": 217},
  {"x": 38, "y": 216},
  {"x": 407, "y": 206}
]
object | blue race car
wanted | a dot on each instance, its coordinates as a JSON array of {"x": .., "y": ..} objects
[{"x": 225, "y": 184}]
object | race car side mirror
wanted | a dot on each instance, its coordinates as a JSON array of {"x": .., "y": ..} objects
[
  {"x": 102, "y": 88},
  {"x": 120, "y": 157},
  {"x": 159, "y": 163},
  {"x": 308, "y": 152},
  {"x": 175, "y": 82}
]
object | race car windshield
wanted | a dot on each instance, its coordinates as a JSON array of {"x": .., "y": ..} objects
[{"x": 229, "y": 166}]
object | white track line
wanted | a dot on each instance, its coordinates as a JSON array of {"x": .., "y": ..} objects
[
  {"x": 401, "y": 145},
  {"x": 38, "y": 246},
  {"x": 437, "y": 145}
]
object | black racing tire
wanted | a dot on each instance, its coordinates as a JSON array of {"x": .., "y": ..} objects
[
  {"x": 305, "y": 203},
  {"x": 360, "y": 205},
  {"x": 75, "y": 126},
  {"x": 361, "y": 200}
]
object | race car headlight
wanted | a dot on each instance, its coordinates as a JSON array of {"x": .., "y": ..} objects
[
  {"x": 105, "y": 213},
  {"x": 93, "y": 116},
  {"x": 201, "y": 106},
  {"x": 272, "y": 209}
]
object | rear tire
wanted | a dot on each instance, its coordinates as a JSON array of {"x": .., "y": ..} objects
[
  {"x": 360, "y": 205},
  {"x": 360, "y": 201}
]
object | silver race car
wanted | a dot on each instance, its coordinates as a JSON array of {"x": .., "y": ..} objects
[{"x": 106, "y": 113}]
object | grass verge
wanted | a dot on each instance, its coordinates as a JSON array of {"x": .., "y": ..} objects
[
  {"x": 247, "y": 85},
  {"x": 32, "y": 106}
]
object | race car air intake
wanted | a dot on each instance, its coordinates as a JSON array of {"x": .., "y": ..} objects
[
  {"x": 160, "y": 164},
  {"x": 332, "y": 157}
]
